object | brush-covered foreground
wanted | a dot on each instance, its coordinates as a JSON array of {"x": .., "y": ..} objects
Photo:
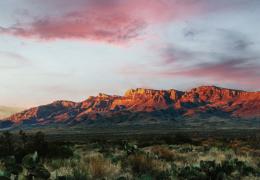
[{"x": 175, "y": 157}]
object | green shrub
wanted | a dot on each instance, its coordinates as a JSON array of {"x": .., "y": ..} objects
[
  {"x": 7, "y": 145},
  {"x": 10, "y": 167},
  {"x": 145, "y": 177},
  {"x": 212, "y": 170},
  {"x": 79, "y": 174},
  {"x": 191, "y": 173},
  {"x": 230, "y": 166},
  {"x": 130, "y": 148}
]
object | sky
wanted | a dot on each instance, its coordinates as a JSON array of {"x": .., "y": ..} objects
[{"x": 63, "y": 49}]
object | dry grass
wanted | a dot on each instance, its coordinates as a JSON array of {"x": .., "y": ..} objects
[
  {"x": 99, "y": 167},
  {"x": 63, "y": 167},
  {"x": 153, "y": 161},
  {"x": 91, "y": 163},
  {"x": 215, "y": 154},
  {"x": 142, "y": 164},
  {"x": 164, "y": 152}
]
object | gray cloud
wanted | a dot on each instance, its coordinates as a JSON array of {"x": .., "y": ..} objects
[
  {"x": 230, "y": 59},
  {"x": 10, "y": 60}
]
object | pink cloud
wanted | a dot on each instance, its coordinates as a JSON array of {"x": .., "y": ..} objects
[
  {"x": 239, "y": 71},
  {"x": 108, "y": 21},
  {"x": 103, "y": 29},
  {"x": 234, "y": 72}
]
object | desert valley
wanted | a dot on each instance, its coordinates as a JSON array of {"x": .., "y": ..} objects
[{"x": 129, "y": 90}]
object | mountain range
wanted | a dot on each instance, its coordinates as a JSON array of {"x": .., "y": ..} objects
[{"x": 143, "y": 106}]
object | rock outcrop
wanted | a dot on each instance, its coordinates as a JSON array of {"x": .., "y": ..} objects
[{"x": 204, "y": 100}]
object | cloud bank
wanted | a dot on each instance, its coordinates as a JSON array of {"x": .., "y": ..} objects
[
  {"x": 231, "y": 59},
  {"x": 113, "y": 21}
]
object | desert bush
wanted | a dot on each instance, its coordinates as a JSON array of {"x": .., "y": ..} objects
[
  {"x": 16, "y": 155},
  {"x": 164, "y": 152},
  {"x": 212, "y": 170},
  {"x": 9, "y": 167},
  {"x": 216, "y": 154},
  {"x": 191, "y": 173},
  {"x": 77, "y": 174},
  {"x": 99, "y": 167},
  {"x": 232, "y": 165},
  {"x": 130, "y": 148},
  {"x": 61, "y": 168},
  {"x": 39, "y": 144},
  {"x": 144, "y": 164},
  {"x": 125, "y": 160},
  {"x": 186, "y": 149},
  {"x": 29, "y": 169},
  {"x": 7, "y": 144},
  {"x": 34, "y": 168},
  {"x": 145, "y": 177},
  {"x": 114, "y": 158},
  {"x": 216, "y": 171}
]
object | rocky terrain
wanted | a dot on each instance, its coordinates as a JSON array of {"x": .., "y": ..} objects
[{"x": 144, "y": 105}]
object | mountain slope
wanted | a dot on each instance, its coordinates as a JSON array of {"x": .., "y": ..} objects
[{"x": 145, "y": 105}]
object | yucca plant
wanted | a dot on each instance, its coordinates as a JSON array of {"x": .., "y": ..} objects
[
  {"x": 34, "y": 169},
  {"x": 130, "y": 148}
]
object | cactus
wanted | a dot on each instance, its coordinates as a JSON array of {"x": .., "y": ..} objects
[
  {"x": 11, "y": 168},
  {"x": 40, "y": 172},
  {"x": 30, "y": 163}
]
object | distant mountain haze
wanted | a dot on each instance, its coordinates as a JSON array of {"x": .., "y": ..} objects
[
  {"x": 148, "y": 104},
  {"x": 6, "y": 111}
]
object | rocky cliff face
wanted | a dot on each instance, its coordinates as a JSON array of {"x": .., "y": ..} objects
[{"x": 207, "y": 100}]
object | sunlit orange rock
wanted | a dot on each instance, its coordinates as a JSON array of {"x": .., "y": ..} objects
[{"x": 203, "y": 99}]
